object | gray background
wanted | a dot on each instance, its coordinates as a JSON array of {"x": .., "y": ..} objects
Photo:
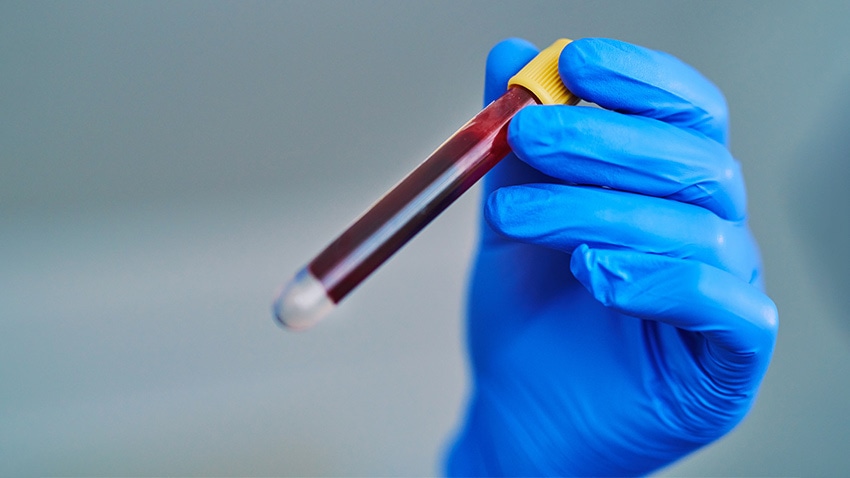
[{"x": 164, "y": 167}]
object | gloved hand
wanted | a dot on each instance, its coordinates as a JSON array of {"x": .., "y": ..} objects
[{"x": 616, "y": 318}]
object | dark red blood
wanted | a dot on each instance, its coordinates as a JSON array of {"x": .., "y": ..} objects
[{"x": 470, "y": 153}]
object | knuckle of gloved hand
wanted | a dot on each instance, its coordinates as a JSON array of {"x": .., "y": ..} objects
[
  {"x": 767, "y": 321},
  {"x": 710, "y": 113},
  {"x": 718, "y": 186},
  {"x": 729, "y": 247},
  {"x": 749, "y": 340},
  {"x": 730, "y": 181},
  {"x": 716, "y": 232}
]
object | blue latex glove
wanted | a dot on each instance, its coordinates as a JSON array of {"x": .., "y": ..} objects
[{"x": 616, "y": 318}]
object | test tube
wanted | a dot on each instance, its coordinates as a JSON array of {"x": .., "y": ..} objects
[{"x": 421, "y": 196}]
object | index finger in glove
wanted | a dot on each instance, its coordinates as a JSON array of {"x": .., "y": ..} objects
[
  {"x": 590, "y": 146},
  {"x": 635, "y": 80}
]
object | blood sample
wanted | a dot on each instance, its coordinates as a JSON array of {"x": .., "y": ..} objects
[{"x": 414, "y": 202}]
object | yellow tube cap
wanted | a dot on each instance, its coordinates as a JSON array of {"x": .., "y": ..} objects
[{"x": 540, "y": 76}]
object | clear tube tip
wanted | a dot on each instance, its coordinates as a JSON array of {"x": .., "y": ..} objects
[{"x": 303, "y": 302}]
